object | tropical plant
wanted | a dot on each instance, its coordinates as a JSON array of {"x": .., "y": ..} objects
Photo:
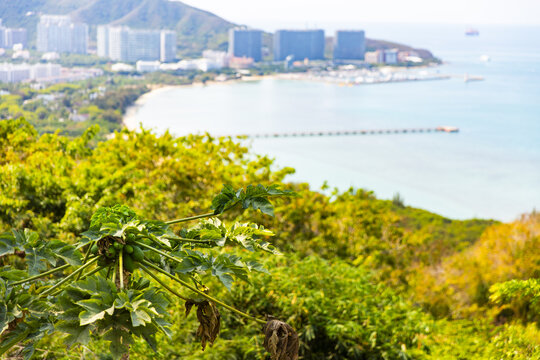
[{"x": 108, "y": 294}]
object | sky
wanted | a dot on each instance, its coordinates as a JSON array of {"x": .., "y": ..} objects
[{"x": 272, "y": 14}]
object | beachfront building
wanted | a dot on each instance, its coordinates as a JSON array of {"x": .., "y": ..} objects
[
  {"x": 122, "y": 43},
  {"x": 13, "y": 73},
  {"x": 59, "y": 34},
  {"x": 374, "y": 57},
  {"x": 301, "y": 44},
  {"x": 219, "y": 58},
  {"x": 245, "y": 43},
  {"x": 147, "y": 66},
  {"x": 391, "y": 56},
  {"x": 167, "y": 45},
  {"x": 349, "y": 45}
]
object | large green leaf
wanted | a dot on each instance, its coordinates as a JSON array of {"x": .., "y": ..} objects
[
  {"x": 95, "y": 309},
  {"x": 255, "y": 197}
]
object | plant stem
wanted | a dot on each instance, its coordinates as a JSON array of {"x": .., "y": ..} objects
[
  {"x": 190, "y": 218},
  {"x": 70, "y": 276},
  {"x": 158, "y": 251},
  {"x": 145, "y": 269},
  {"x": 114, "y": 273},
  {"x": 95, "y": 271},
  {"x": 52, "y": 271},
  {"x": 183, "y": 283},
  {"x": 84, "y": 277},
  {"x": 187, "y": 240},
  {"x": 86, "y": 257},
  {"x": 121, "y": 269}
]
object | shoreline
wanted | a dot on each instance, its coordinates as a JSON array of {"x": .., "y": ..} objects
[
  {"x": 155, "y": 89},
  {"x": 128, "y": 120}
]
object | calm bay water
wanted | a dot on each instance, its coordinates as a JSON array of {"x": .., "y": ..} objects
[{"x": 491, "y": 168}]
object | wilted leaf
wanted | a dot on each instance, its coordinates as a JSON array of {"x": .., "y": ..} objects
[
  {"x": 280, "y": 340},
  {"x": 209, "y": 321}
]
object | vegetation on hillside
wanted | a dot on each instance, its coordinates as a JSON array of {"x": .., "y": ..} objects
[{"x": 362, "y": 278}]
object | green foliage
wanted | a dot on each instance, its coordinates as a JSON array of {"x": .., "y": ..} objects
[
  {"x": 95, "y": 307},
  {"x": 362, "y": 266},
  {"x": 37, "y": 253},
  {"x": 24, "y": 318},
  {"x": 255, "y": 197},
  {"x": 339, "y": 307},
  {"x": 125, "y": 306},
  {"x": 459, "y": 285}
]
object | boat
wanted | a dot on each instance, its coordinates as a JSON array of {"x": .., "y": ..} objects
[
  {"x": 485, "y": 58},
  {"x": 472, "y": 32}
]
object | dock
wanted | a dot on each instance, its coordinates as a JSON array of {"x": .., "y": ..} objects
[{"x": 446, "y": 129}]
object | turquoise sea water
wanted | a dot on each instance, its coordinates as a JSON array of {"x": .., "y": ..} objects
[{"x": 491, "y": 168}]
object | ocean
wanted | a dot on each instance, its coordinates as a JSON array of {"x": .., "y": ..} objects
[{"x": 490, "y": 169}]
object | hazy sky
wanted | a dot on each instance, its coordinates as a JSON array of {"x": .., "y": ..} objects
[{"x": 303, "y": 13}]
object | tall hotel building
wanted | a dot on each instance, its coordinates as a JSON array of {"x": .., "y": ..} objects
[
  {"x": 349, "y": 45},
  {"x": 59, "y": 34},
  {"x": 124, "y": 44},
  {"x": 167, "y": 45},
  {"x": 245, "y": 43},
  {"x": 302, "y": 44}
]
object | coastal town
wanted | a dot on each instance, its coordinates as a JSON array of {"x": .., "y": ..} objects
[{"x": 126, "y": 50}]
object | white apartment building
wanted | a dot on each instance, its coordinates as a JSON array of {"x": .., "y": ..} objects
[
  {"x": 59, "y": 34},
  {"x": 167, "y": 46},
  {"x": 13, "y": 73},
  {"x": 132, "y": 45}
]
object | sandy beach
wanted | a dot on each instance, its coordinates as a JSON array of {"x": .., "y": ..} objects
[{"x": 156, "y": 90}]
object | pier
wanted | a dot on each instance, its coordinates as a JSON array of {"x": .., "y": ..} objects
[{"x": 447, "y": 129}]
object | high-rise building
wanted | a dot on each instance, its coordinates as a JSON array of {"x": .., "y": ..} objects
[
  {"x": 245, "y": 43},
  {"x": 302, "y": 44},
  {"x": 124, "y": 44},
  {"x": 349, "y": 45},
  {"x": 13, "y": 36},
  {"x": 167, "y": 45},
  {"x": 118, "y": 43},
  {"x": 79, "y": 38},
  {"x": 103, "y": 41},
  {"x": 59, "y": 34},
  {"x": 143, "y": 45}
]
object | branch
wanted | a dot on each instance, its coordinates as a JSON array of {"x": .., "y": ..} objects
[
  {"x": 183, "y": 283},
  {"x": 70, "y": 276},
  {"x": 86, "y": 257},
  {"x": 190, "y": 218},
  {"x": 52, "y": 271},
  {"x": 145, "y": 269},
  {"x": 158, "y": 252}
]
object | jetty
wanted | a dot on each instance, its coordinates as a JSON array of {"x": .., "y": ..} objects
[{"x": 446, "y": 129}]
